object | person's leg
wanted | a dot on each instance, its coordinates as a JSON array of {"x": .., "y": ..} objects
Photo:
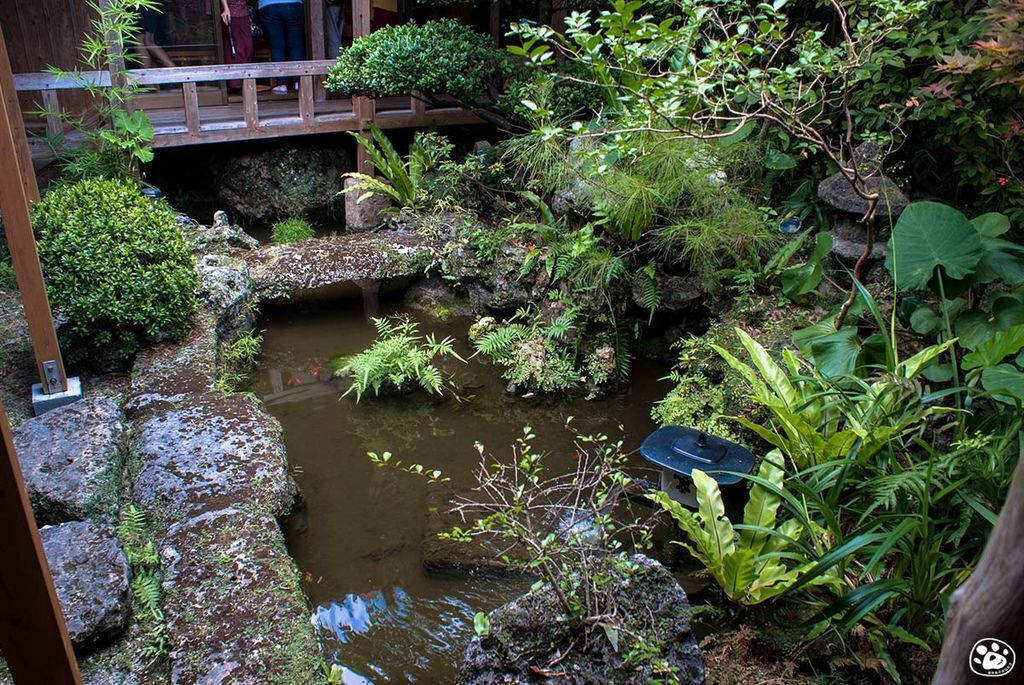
[
  {"x": 334, "y": 27},
  {"x": 156, "y": 51},
  {"x": 273, "y": 24},
  {"x": 295, "y": 28}
]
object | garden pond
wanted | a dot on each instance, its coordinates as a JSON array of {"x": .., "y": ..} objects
[{"x": 381, "y": 608}]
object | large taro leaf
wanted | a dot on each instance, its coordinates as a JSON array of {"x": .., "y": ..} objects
[
  {"x": 929, "y": 235},
  {"x": 1005, "y": 382}
]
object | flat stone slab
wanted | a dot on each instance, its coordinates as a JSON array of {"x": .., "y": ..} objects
[
  {"x": 235, "y": 611},
  {"x": 91, "y": 576},
  {"x": 281, "y": 270},
  {"x": 70, "y": 458},
  {"x": 165, "y": 375},
  {"x": 210, "y": 452}
]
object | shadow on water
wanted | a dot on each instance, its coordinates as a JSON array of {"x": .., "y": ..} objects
[{"x": 358, "y": 535}]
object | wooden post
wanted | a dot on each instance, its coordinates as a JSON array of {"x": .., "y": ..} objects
[
  {"x": 991, "y": 602},
  {"x": 250, "y": 104},
  {"x": 317, "y": 46},
  {"x": 17, "y": 189},
  {"x": 191, "y": 101},
  {"x": 363, "y": 107},
  {"x": 495, "y": 20},
  {"x": 33, "y": 635}
]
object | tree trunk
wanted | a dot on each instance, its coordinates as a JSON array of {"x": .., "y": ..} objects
[{"x": 991, "y": 603}]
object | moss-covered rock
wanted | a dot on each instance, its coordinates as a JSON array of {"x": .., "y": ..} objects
[
  {"x": 531, "y": 642},
  {"x": 283, "y": 181},
  {"x": 235, "y": 610}
]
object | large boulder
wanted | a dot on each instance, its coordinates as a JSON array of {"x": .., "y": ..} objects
[
  {"x": 528, "y": 635},
  {"x": 164, "y": 375},
  {"x": 91, "y": 576},
  {"x": 235, "y": 611},
  {"x": 226, "y": 291},
  {"x": 282, "y": 182},
  {"x": 211, "y": 452},
  {"x": 70, "y": 458}
]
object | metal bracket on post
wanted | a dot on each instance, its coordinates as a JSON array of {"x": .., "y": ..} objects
[{"x": 52, "y": 376}]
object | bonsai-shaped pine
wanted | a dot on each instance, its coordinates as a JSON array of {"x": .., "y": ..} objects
[
  {"x": 428, "y": 61},
  {"x": 399, "y": 360}
]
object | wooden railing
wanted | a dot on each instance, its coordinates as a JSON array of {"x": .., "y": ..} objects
[{"x": 314, "y": 112}]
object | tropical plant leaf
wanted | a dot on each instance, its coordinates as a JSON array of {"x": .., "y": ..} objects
[{"x": 929, "y": 235}]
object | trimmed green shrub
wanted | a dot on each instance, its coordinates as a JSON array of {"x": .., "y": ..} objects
[
  {"x": 116, "y": 267},
  {"x": 439, "y": 57},
  {"x": 291, "y": 230}
]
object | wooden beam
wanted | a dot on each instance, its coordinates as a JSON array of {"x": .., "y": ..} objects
[
  {"x": 250, "y": 104},
  {"x": 17, "y": 189},
  {"x": 495, "y": 21},
  {"x": 191, "y": 97},
  {"x": 164, "y": 75},
  {"x": 33, "y": 635}
]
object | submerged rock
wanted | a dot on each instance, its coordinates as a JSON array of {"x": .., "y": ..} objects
[
  {"x": 91, "y": 576},
  {"x": 70, "y": 458},
  {"x": 235, "y": 611},
  {"x": 212, "y": 452},
  {"x": 443, "y": 556},
  {"x": 530, "y": 643}
]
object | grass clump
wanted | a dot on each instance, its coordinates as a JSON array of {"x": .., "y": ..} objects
[
  {"x": 291, "y": 230},
  {"x": 400, "y": 360}
]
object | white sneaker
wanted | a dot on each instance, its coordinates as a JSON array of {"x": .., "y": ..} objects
[
  {"x": 280, "y": 90},
  {"x": 296, "y": 86}
]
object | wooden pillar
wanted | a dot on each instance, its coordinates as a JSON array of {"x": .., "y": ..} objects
[
  {"x": 33, "y": 635},
  {"x": 363, "y": 107},
  {"x": 17, "y": 189},
  {"x": 990, "y": 603},
  {"x": 495, "y": 20},
  {"x": 317, "y": 47}
]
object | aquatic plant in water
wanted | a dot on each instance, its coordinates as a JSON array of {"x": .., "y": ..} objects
[{"x": 398, "y": 361}]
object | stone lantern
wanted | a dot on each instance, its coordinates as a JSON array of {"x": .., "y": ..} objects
[{"x": 849, "y": 234}]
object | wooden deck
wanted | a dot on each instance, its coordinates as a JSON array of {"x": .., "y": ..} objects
[{"x": 256, "y": 115}]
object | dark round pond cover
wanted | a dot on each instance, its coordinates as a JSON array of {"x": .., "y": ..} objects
[{"x": 681, "y": 450}]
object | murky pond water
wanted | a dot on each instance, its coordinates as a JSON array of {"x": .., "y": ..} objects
[{"x": 358, "y": 538}]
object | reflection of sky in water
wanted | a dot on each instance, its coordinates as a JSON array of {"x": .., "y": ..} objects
[{"x": 369, "y": 633}]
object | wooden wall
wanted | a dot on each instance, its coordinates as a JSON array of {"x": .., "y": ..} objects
[{"x": 42, "y": 33}]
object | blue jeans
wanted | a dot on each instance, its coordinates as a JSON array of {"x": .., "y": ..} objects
[{"x": 285, "y": 24}]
